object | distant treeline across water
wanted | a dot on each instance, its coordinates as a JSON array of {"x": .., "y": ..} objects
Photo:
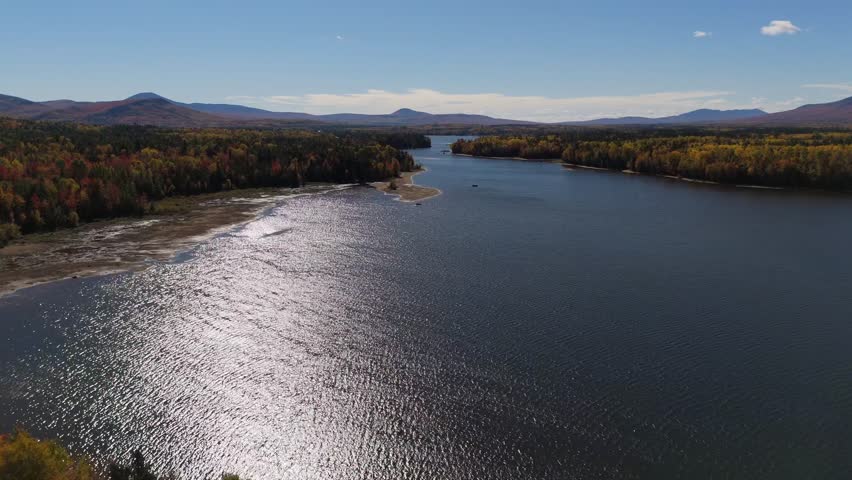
[
  {"x": 821, "y": 159},
  {"x": 55, "y": 175}
]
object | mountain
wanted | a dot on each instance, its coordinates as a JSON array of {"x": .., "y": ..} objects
[
  {"x": 10, "y": 105},
  {"x": 147, "y": 96},
  {"x": 401, "y": 117},
  {"x": 148, "y": 108},
  {"x": 146, "y": 111},
  {"x": 703, "y": 115},
  {"x": 229, "y": 110},
  {"x": 140, "y": 109},
  {"x": 821, "y": 114},
  {"x": 408, "y": 117},
  {"x": 242, "y": 111},
  {"x": 706, "y": 115},
  {"x": 153, "y": 111},
  {"x": 407, "y": 112}
]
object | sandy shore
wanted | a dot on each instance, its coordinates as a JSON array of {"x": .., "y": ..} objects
[
  {"x": 111, "y": 246},
  {"x": 407, "y": 190}
]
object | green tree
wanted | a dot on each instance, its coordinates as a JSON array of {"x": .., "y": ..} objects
[{"x": 22, "y": 457}]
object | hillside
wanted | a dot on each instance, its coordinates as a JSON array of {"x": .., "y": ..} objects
[
  {"x": 700, "y": 116},
  {"x": 141, "y": 109},
  {"x": 822, "y": 114},
  {"x": 153, "y": 112},
  {"x": 149, "y": 108}
]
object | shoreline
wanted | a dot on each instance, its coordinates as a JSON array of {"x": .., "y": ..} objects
[
  {"x": 407, "y": 191},
  {"x": 520, "y": 159},
  {"x": 132, "y": 244},
  {"x": 569, "y": 166},
  {"x": 700, "y": 181},
  {"x": 633, "y": 172}
]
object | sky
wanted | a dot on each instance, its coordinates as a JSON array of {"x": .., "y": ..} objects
[{"x": 527, "y": 60}]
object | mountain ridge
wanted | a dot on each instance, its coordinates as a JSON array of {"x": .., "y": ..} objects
[
  {"x": 149, "y": 108},
  {"x": 825, "y": 114},
  {"x": 702, "y": 115}
]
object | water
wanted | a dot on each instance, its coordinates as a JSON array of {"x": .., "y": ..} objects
[{"x": 547, "y": 324}]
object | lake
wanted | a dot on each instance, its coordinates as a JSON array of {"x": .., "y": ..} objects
[{"x": 548, "y": 323}]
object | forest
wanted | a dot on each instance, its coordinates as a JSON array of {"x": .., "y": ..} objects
[
  {"x": 812, "y": 159},
  {"x": 55, "y": 175}
]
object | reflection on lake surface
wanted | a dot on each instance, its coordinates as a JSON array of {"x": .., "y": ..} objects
[{"x": 548, "y": 324}]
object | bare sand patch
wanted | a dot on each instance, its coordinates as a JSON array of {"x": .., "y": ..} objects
[{"x": 406, "y": 190}]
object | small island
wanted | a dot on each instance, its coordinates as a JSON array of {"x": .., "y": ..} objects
[{"x": 405, "y": 188}]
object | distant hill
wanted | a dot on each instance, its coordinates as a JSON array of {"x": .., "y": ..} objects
[
  {"x": 406, "y": 116},
  {"x": 147, "y": 96},
  {"x": 154, "y": 111},
  {"x": 824, "y": 114},
  {"x": 706, "y": 115},
  {"x": 12, "y": 106},
  {"x": 9, "y": 103},
  {"x": 241, "y": 111},
  {"x": 703, "y": 115},
  {"x": 140, "y": 109},
  {"x": 401, "y": 117},
  {"x": 148, "y": 108}
]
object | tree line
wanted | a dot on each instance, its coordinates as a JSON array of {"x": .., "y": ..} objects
[
  {"x": 819, "y": 159},
  {"x": 23, "y": 457},
  {"x": 55, "y": 175}
]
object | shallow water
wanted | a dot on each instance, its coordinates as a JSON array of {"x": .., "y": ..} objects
[{"x": 547, "y": 324}]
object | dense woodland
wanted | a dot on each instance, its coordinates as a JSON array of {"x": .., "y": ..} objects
[
  {"x": 56, "y": 175},
  {"x": 821, "y": 159}
]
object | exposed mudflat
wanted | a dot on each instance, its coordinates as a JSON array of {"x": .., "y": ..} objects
[{"x": 130, "y": 243}]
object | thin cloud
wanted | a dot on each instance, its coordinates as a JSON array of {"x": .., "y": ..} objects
[
  {"x": 701, "y": 34},
  {"x": 241, "y": 98},
  {"x": 795, "y": 101},
  {"x": 830, "y": 86},
  {"x": 780, "y": 27},
  {"x": 768, "y": 105},
  {"x": 340, "y": 37},
  {"x": 535, "y": 108}
]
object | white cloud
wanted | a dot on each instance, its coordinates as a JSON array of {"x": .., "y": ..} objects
[
  {"x": 780, "y": 27},
  {"x": 536, "y": 108},
  {"x": 701, "y": 34},
  {"x": 831, "y": 86},
  {"x": 790, "y": 102},
  {"x": 340, "y": 37}
]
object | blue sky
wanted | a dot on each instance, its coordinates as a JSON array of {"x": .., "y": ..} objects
[{"x": 538, "y": 60}]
